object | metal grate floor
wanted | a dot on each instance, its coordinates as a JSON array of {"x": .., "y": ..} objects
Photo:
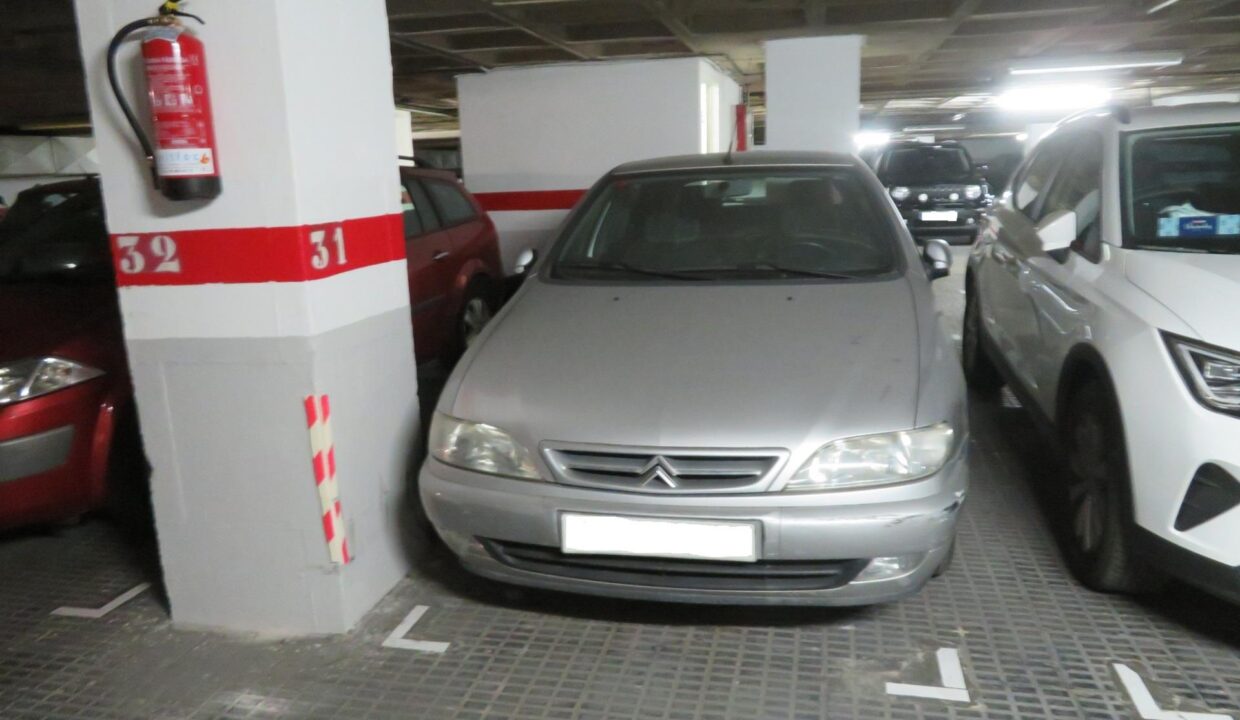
[{"x": 1032, "y": 643}]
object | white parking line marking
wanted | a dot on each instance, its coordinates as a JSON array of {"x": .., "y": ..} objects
[
  {"x": 951, "y": 677},
  {"x": 398, "y": 641},
  {"x": 96, "y": 613},
  {"x": 1147, "y": 707}
]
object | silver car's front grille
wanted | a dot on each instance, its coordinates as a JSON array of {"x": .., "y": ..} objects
[{"x": 664, "y": 470}]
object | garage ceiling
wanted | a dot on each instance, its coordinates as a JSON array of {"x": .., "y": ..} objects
[{"x": 924, "y": 60}]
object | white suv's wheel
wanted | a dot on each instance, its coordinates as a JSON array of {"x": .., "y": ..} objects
[
  {"x": 979, "y": 370},
  {"x": 1099, "y": 523}
]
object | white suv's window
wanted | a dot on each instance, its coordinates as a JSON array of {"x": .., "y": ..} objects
[
  {"x": 1181, "y": 189},
  {"x": 1077, "y": 188},
  {"x": 1033, "y": 181}
]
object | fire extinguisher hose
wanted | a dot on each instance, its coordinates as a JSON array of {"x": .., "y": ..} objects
[{"x": 113, "y": 48}]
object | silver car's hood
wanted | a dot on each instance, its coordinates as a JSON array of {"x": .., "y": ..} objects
[{"x": 772, "y": 366}]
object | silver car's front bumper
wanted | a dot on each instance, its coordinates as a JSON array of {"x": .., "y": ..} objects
[{"x": 917, "y": 518}]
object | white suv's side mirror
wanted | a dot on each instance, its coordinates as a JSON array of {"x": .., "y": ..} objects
[{"x": 1057, "y": 231}]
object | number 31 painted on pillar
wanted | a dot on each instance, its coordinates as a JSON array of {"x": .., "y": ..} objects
[{"x": 323, "y": 255}]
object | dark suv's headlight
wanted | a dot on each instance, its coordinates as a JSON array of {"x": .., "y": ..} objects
[{"x": 1212, "y": 373}]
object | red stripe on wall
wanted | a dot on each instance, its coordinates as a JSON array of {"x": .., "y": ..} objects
[
  {"x": 529, "y": 200},
  {"x": 249, "y": 255}
]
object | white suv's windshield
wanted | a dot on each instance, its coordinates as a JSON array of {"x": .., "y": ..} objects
[
  {"x": 741, "y": 224},
  {"x": 1182, "y": 189}
]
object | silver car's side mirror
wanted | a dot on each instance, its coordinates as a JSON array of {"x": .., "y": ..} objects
[
  {"x": 937, "y": 255},
  {"x": 525, "y": 260},
  {"x": 1057, "y": 231}
]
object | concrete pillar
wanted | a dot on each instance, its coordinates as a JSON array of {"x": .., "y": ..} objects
[
  {"x": 281, "y": 301},
  {"x": 534, "y": 139},
  {"x": 813, "y": 93}
]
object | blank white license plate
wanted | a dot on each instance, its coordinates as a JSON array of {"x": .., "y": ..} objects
[
  {"x": 658, "y": 537},
  {"x": 939, "y": 215}
]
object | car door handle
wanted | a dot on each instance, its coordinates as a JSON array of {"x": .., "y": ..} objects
[{"x": 440, "y": 255}]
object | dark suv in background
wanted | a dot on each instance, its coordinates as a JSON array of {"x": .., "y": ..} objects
[{"x": 939, "y": 190}]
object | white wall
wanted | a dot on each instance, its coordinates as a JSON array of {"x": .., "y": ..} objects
[
  {"x": 561, "y": 127},
  {"x": 26, "y": 161},
  {"x": 813, "y": 93},
  {"x": 403, "y": 126}
]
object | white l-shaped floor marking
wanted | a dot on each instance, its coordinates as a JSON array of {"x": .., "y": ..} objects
[
  {"x": 397, "y": 637},
  {"x": 96, "y": 613},
  {"x": 1147, "y": 707},
  {"x": 951, "y": 678}
]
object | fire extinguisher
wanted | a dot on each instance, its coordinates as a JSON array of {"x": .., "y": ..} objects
[{"x": 183, "y": 161}]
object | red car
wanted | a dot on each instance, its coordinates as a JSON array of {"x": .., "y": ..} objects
[
  {"x": 67, "y": 428},
  {"x": 455, "y": 276},
  {"x": 64, "y": 381}
]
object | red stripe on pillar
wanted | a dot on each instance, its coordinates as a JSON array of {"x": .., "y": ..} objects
[
  {"x": 320, "y": 468},
  {"x": 529, "y": 200},
  {"x": 311, "y": 414},
  {"x": 344, "y": 550},
  {"x": 331, "y": 462},
  {"x": 327, "y": 408},
  {"x": 250, "y": 255},
  {"x": 329, "y": 527}
]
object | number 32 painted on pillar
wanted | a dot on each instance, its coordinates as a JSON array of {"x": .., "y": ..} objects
[
  {"x": 157, "y": 254},
  {"x": 323, "y": 255}
]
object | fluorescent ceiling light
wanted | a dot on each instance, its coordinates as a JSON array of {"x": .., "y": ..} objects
[
  {"x": 1053, "y": 97},
  {"x": 933, "y": 128},
  {"x": 1197, "y": 98},
  {"x": 871, "y": 138},
  {"x": 1161, "y": 6},
  {"x": 1095, "y": 63}
]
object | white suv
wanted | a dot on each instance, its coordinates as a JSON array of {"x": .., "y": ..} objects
[{"x": 1105, "y": 288}]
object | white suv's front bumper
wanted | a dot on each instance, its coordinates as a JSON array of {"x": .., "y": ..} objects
[{"x": 1170, "y": 436}]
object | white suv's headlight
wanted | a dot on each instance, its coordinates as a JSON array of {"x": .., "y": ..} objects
[
  {"x": 31, "y": 378},
  {"x": 876, "y": 459},
  {"x": 972, "y": 192},
  {"x": 479, "y": 447},
  {"x": 1212, "y": 373},
  {"x": 899, "y": 193}
]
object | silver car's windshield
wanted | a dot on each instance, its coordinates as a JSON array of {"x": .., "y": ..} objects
[
  {"x": 1182, "y": 189},
  {"x": 732, "y": 224}
]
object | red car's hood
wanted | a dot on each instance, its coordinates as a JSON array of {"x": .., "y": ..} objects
[{"x": 43, "y": 319}]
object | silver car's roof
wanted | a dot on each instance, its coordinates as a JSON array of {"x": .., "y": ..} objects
[{"x": 754, "y": 158}]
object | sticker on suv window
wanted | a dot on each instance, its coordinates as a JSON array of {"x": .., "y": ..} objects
[{"x": 1199, "y": 226}]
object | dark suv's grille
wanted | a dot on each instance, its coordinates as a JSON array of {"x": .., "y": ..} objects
[
  {"x": 666, "y": 471},
  {"x": 681, "y": 574}
]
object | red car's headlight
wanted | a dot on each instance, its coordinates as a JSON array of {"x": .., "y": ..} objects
[{"x": 25, "y": 379}]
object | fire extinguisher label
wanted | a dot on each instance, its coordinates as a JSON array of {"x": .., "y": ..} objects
[{"x": 185, "y": 161}]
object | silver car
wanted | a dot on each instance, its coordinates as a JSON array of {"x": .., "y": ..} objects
[{"x": 726, "y": 382}]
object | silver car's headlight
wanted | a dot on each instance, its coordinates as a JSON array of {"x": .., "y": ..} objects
[
  {"x": 25, "y": 379},
  {"x": 1212, "y": 373},
  {"x": 876, "y": 459},
  {"x": 972, "y": 192},
  {"x": 899, "y": 193},
  {"x": 479, "y": 447}
]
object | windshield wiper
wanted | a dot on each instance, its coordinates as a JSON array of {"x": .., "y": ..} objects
[
  {"x": 798, "y": 271},
  {"x": 625, "y": 267}
]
